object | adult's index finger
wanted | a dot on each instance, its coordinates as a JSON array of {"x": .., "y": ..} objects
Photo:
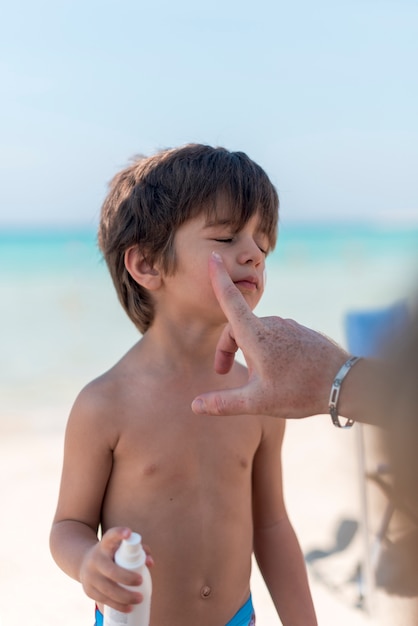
[{"x": 230, "y": 298}]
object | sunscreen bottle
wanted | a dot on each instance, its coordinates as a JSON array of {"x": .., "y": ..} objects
[{"x": 131, "y": 555}]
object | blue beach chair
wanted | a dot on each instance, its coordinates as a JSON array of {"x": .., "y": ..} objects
[{"x": 369, "y": 331}]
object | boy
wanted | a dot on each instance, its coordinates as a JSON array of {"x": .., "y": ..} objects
[{"x": 203, "y": 493}]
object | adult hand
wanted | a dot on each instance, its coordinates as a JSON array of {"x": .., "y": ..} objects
[{"x": 290, "y": 367}]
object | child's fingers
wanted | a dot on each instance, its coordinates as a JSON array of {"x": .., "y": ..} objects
[
  {"x": 117, "y": 597},
  {"x": 112, "y": 538},
  {"x": 149, "y": 560},
  {"x": 110, "y": 543}
]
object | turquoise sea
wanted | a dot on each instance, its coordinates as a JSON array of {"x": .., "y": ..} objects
[{"x": 61, "y": 324}]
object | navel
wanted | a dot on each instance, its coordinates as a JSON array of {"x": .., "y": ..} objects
[{"x": 205, "y": 591}]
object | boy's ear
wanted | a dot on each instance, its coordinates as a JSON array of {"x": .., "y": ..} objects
[{"x": 142, "y": 272}]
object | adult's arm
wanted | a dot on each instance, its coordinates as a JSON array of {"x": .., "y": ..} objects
[{"x": 291, "y": 367}]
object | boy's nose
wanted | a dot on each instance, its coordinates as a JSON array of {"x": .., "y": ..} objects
[{"x": 251, "y": 254}]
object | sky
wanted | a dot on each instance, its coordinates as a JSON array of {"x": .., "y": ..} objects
[{"x": 323, "y": 95}]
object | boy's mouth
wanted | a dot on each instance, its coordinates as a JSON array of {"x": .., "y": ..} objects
[{"x": 248, "y": 283}]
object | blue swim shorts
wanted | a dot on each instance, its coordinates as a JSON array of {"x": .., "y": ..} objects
[
  {"x": 244, "y": 617},
  {"x": 99, "y": 617}
]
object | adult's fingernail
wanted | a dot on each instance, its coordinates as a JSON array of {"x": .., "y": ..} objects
[{"x": 198, "y": 406}]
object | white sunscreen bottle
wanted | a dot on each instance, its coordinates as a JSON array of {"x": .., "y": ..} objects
[{"x": 131, "y": 555}]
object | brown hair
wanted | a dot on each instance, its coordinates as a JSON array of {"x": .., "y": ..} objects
[{"x": 149, "y": 200}]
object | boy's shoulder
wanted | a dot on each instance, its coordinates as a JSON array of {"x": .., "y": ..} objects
[
  {"x": 103, "y": 391},
  {"x": 96, "y": 397},
  {"x": 98, "y": 403},
  {"x": 131, "y": 368}
]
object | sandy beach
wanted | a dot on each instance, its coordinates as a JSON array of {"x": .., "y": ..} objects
[{"x": 322, "y": 487}]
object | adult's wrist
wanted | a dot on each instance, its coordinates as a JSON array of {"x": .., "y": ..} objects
[
  {"x": 362, "y": 397},
  {"x": 335, "y": 393}
]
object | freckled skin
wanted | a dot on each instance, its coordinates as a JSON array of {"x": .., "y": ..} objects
[{"x": 291, "y": 367}]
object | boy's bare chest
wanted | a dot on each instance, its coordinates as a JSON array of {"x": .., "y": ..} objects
[{"x": 162, "y": 440}]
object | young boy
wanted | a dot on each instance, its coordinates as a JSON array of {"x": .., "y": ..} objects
[{"x": 203, "y": 492}]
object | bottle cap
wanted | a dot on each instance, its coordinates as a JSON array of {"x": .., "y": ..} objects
[{"x": 130, "y": 553}]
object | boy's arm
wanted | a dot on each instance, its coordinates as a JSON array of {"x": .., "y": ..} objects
[
  {"x": 276, "y": 547},
  {"x": 86, "y": 470}
]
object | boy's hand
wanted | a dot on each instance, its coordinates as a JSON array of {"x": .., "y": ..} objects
[{"x": 101, "y": 578}]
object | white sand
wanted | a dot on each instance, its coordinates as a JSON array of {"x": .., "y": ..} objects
[{"x": 322, "y": 490}]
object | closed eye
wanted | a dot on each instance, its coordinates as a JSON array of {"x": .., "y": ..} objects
[
  {"x": 231, "y": 239},
  {"x": 263, "y": 244},
  {"x": 263, "y": 248}
]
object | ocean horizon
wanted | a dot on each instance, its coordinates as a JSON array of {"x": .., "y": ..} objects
[
  {"x": 61, "y": 323},
  {"x": 73, "y": 245}
]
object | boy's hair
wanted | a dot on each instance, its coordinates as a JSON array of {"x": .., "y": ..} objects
[{"x": 149, "y": 200}]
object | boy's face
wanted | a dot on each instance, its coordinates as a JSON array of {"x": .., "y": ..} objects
[{"x": 243, "y": 252}]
